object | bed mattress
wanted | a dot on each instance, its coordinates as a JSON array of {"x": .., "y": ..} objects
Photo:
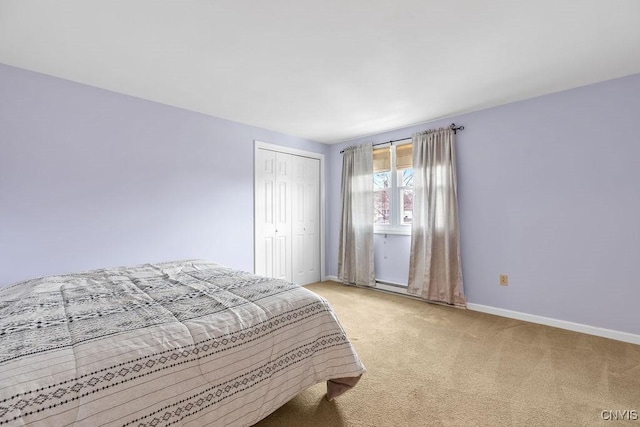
[{"x": 177, "y": 343}]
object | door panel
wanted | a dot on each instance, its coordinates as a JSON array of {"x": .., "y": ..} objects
[
  {"x": 306, "y": 225},
  {"x": 267, "y": 262},
  {"x": 312, "y": 220},
  {"x": 283, "y": 216},
  {"x": 268, "y": 203},
  {"x": 265, "y": 212}
]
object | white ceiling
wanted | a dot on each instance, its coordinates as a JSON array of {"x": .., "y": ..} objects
[{"x": 326, "y": 70}]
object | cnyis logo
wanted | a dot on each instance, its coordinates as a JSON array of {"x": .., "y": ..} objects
[{"x": 619, "y": 415}]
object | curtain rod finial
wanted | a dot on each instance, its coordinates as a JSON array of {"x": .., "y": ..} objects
[{"x": 454, "y": 128}]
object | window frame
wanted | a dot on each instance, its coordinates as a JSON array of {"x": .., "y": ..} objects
[{"x": 394, "y": 226}]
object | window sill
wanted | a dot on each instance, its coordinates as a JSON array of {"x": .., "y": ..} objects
[{"x": 406, "y": 232}]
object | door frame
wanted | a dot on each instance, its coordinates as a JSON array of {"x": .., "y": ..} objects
[{"x": 296, "y": 152}]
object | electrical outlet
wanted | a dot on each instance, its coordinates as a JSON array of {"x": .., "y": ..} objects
[{"x": 504, "y": 280}]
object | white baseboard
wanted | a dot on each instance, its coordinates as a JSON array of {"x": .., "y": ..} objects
[{"x": 562, "y": 324}]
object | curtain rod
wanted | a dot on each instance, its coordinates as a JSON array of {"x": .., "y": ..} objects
[{"x": 452, "y": 126}]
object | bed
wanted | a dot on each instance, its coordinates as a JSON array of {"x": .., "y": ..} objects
[{"x": 177, "y": 343}]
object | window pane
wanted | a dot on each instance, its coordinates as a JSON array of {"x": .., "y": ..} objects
[
  {"x": 381, "y": 180},
  {"x": 406, "y": 205},
  {"x": 382, "y": 198},
  {"x": 381, "y": 207},
  {"x": 405, "y": 178},
  {"x": 405, "y": 195}
]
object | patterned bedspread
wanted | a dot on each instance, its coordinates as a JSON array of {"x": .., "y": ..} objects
[{"x": 179, "y": 343}]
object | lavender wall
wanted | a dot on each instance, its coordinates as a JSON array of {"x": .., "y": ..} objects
[
  {"x": 549, "y": 194},
  {"x": 90, "y": 178}
]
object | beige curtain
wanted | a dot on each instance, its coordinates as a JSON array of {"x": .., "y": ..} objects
[
  {"x": 355, "y": 253},
  {"x": 435, "y": 272}
]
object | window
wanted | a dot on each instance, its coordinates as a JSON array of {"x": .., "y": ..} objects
[{"x": 393, "y": 189}]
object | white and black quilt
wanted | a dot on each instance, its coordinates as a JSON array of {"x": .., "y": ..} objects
[{"x": 178, "y": 343}]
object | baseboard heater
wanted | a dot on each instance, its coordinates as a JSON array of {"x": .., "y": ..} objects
[{"x": 387, "y": 283}]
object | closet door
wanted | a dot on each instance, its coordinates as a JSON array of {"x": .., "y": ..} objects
[
  {"x": 265, "y": 212},
  {"x": 283, "y": 223},
  {"x": 306, "y": 220},
  {"x": 273, "y": 214},
  {"x": 287, "y": 216}
]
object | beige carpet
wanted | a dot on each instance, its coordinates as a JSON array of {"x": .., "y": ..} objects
[{"x": 430, "y": 365}]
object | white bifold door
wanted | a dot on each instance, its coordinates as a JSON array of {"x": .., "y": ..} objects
[{"x": 287, "y": 215}]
